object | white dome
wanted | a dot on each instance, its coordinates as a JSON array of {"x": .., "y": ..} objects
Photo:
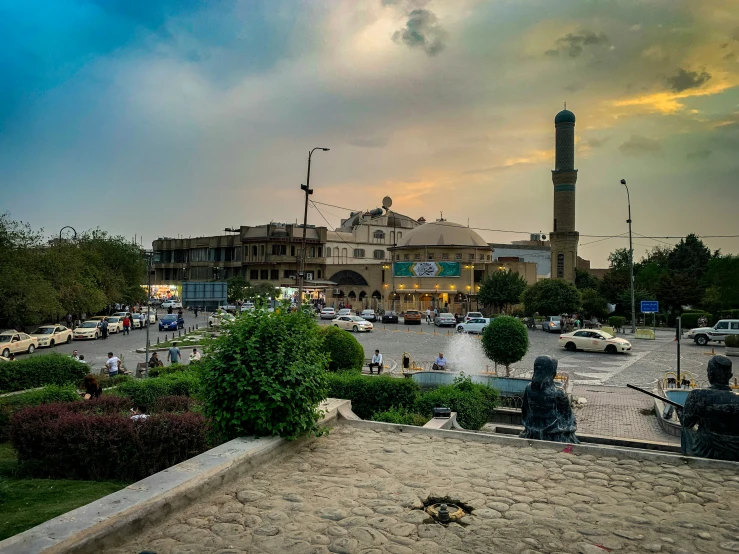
[{"x": 443, "y": 233}]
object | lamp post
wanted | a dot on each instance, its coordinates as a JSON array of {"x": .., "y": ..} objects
[
  {"x": 308, "y": 192},
  {"x": 66, "y": 227},
  {"x": 149, "y": 255},
  {"x": 631, "y": 262}
]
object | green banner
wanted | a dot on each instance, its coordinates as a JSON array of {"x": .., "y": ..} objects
[{"x": 426, "y": 269}]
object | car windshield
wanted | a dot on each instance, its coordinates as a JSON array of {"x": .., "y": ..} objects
[
  {"x": 44, "y": 331},
  {"x": 606, "y": 336},
  {"x": 411, "y": 312},
  {"x": 169, "y": 318},
  {"x": 5, "y": 338},
  {"x": 89, "y": 324},
  {"x": 356, "y": 318},
  {"x": 114, "y": 319},
  {"x": 474, "y": 314}
]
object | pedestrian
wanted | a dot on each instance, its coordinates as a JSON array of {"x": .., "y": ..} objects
[
  {"x": 173, "y": 356},
  {"x": 104, "y": 328},
  {"x": 69, "y": 321},
  {"x": 194, "y": 355},
  {"x": 75, "y": 355},
  {"x": 112, "y": 364},
  {"x": 92, "y": 387},
  {"x": 376, "y": 362},
  {"x": 428, "y": 316},
  {"x": 436, "y": 313},
  {"x": 126, "y": 325},
  {"x": 195, "y": 311},
  {"x": 179, "y": 313},
  {"x": 440, "y": 363},
  {"x": 169, "y": 310}
]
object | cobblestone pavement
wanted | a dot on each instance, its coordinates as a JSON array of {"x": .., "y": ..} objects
[{"x": 360, "y": 491}]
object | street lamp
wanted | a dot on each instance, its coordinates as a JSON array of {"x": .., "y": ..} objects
[
  {"x": 149, "y": 257},
  {"x": 308, "y": 192},
  {"x": 631, "y": 262},
  {"x": 66, "y": 227}
]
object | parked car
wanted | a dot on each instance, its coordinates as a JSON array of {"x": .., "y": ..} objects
[
  {"x": 389, "y": 317},
  {"x": 345, "y": 311},
  {"x": 247, "y": 306},
  {"x": 328, "y": 313},
  {"x": 171, "y": 322},
  {"x": 174, "y": 304},
  {"x": 723, "y": 328},
  {"x": 115, "y": 324},
  {"x": 151, "y": 313},
  {"x": 218, "y": 318},
  {"x": 122, "y": 314},
  {"x": 139, "y": 321},
  {"x": 352, "y": 323},
  {"x": 369, "y": 315},
  {"x": 596, "y": 341},
  {"x": 412, "y": 316},
  {"x": 445, "y": 319},
  {"x": 14, "y": 342},
  {"x": 89, "y": 329},
  {"x": 50, "y": 335},
  {"x": 98, "y": 318},
  {"x": 475, "y": 325},
  {"x": 552, "y": 324},
  {"x": 473, "y": 315}
]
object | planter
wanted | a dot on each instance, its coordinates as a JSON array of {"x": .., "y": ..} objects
[{"x": 732, "y": 350}]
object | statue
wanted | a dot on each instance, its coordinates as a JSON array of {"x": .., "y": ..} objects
[
  {"x": 715, "y": 411},
  {"x": 546, "y": 410}
]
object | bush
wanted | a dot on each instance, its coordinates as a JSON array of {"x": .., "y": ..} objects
[
  {"x": 688, "y": 320},
  {"x": 54, "y": 441},
  {"x": 344, "y": 351},
  {"x": 729, "y": 314},
  {"x": 373, "y": 394},
  {"x": 169, "y": 369},
  {"x": 105, "y": 405},
  {"x": 106, "y": 381},
  {"x": 266, "y": 376},
  {"x": 400, "y": 416},
  {"x": 172, "y": 404},
  {"x": 732, "y": 341},
  {"x": 617, "y": 321},
  {"x": 473, "y": 403},
  {"x": 46, "y": 395},
  {"x": 505, "y": 341},
  {"x": 37, "y": 371},
  {"x": 145, "y": 392}
]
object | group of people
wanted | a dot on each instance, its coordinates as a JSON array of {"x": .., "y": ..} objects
[
  {"x": 570, "y": 322},
  {"x": 173, "y": 356},
  {"x": 377, "y": 362}
]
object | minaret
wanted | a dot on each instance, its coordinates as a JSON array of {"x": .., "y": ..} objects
[{"x": 564, "y": 238}]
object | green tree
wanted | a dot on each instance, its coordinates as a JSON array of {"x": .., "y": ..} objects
[
  {"x": 551, "y": 297},
  {"x": 505, "y": 341},
  {"x": 262, "y": 292},
  {"x": 593, "y": 304},
  {"x": 237, "y": 289},
  {"x": 678, "y": 289},
  {"x": 585, "y": 280},
  {"x": 501, "y": 288},
  {"x": 722, "y": 277},
  {"x": 690, "y": 257}
]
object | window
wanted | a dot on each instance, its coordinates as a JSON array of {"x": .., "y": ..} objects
[
  {"x": 320, "y": 251},
  {"x": 445, "y": 256},
  {"x": 320, "y": 274},
  {"x": 471, "y": 257},
  {"x": 719, "y": 325},
  {"x": 254, "y": 250},
  {"x": 482, "y": 257},
  {"x": 344, "y": 254},
  {"x": 274, "y": 274},
  {"x": 406, "y": 257},
  {"x": 378, "y": 254},
  {"x": 359, "y": 252},
  {"x": 560, "y": 266},
  {"x": 254, "y": 273},
  {"x": 489, "y": 257},
  {"x": 312, "y": 252},
  {"x": 279, "y": 249},
  {"x": 264, "y": 273},
  {"x": 417, "y": 256},
  {"x": 457, "y": 256},
  {"x": 397, "y": 258},
  {"x": 734, "y": 325},
  {"x": 261, "y": 250},
  {"x": 336, "y": 251},
  {"x": 400, "y": 235},
  {"x": 288, "y": 273},
  {"x": 430, "y": 256},
  {"x": 378, "y": 236},
  {"x": 292, "y": 249},
  {"x": 392, "y": 237}
]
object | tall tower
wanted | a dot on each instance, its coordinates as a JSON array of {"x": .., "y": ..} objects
[{"x": 564, "y": 238}]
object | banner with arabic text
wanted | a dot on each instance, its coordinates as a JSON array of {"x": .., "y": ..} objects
[{"x": 426, "y": 269}]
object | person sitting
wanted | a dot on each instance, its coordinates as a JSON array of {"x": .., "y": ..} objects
[
  {"x": 376, "y": 362},
  {"x": 195, "y": 355},
  {"x": 92, "y": 387},
  {"x": 154, "y": 361},
  {"x": 440, "y": 363}
]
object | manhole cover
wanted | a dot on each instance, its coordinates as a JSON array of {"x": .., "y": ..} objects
[{"x": 446, "y": 510}]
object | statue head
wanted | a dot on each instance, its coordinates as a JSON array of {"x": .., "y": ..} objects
[
  {"x": 545, "y": 368},
  {"x": 719, "y": 370}
]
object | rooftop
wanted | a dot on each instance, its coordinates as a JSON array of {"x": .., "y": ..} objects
[{"x": 442, "y": 233}]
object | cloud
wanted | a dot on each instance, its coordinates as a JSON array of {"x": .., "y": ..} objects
[
  {"x": 369, "y": 142},
  {"x": 699, "y": 155},
  {"x": 684, "y": 79},
  {"x": 573, "y": 45},
  {"x": 638, "y": 145},
  {"x": 422, "y": 30},
  {"x": 596, "y": 142}
]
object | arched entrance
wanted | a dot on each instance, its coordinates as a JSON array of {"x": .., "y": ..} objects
[{"x": 376, "y": 298}]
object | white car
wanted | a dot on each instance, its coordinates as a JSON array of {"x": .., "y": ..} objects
[
  {"x": 219, "y": 318},
  {"x": 474, "y": 325},
  {"x": 345, "y": 311},
  {"x": 596, "y": 341},
  {"x": 13, "y": 342},
  {"x": 724, "y": 328},
  {"x": 328, "y": 313},
  {"x": 151, "y": 313},
  {"x": 352, "y": 323},
  {"x": 115, "y": 324},
  {"x": 247, "y": 306},
  {"x": 472, "y": 315},
  {"x": 171, "y": 304},
  {"x": 89, "y": 329},
  {"x": 139, "y": 321},
  {"x": 369, "y": 315},
  {"x": 50, "y": 335}
]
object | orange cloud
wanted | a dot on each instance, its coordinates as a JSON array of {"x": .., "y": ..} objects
[{"x": 669, "y": 102}]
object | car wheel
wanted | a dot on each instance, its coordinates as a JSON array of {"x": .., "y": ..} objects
[
  {"x": 335, "y": 325},
  {"x": 51, "y": 343},
  {"x": 611, "y": 349},
  {"x": 6, "y": 353},
  {"x": 701, "y": 340},
  {"x": 69, "y": 339},
  {"x": 31, "y": 348},
  {"x": 571, "y": 346},
  {"x": 355, "y": 328},
  {"x": 460, "y": 329}
]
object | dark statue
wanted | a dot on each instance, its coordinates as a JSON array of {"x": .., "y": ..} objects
[
  {"x": 710, "y": 417},
  {"x": 546, "y": 410}
]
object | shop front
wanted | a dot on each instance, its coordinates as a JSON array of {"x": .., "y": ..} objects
[{"x": 164, "y": 292}]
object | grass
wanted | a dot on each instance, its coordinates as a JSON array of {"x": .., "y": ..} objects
[
  {"x": 25, "y": 503},
  {"x": 194, "y": 338}
]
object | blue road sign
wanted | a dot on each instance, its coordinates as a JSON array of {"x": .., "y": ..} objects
[{"x": 649, "y": 306}]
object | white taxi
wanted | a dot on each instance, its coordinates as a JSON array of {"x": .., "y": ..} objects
[
  {"x": 89, "y": 329},
  {"x": 13, "y": 342},
  {"x": 49, "y": 335},
  {"x": 596, "y": 341},
  {"x": 352, "y": 323}
]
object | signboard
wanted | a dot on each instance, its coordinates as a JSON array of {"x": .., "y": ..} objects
[
  {"x": 426, "y": 269},
  {"x": 649, "y": 306}
]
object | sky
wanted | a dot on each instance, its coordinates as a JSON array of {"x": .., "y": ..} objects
[{"x": 182, "y": 117}]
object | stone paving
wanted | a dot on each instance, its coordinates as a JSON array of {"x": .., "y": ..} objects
[{"x": 360, "y": 491}]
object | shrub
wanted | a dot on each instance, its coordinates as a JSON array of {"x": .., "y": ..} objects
[
  {"x": 373, "y": 394},
  {"x": 53, "y": 441},
  {"x": 732, "y": 341},
  {"x": 168, "y": 369},
  {"x": 688, "y": 320},
  {"x": 37, "y": 371},
  {"x": 344, "y": 351},
  {"x": 46, "y": 395},
  {"x": 617, "y": 321},
  {"x": 729, "y": 314},
  {"x": 106, "y": 381},
  {"x": 505, "y": 341},
  {"x": 266, "y": 376},
  {"x": 145, "y": 392},
  {"x": 105, "y": 405},
  {"x": 473, "y": 403},
  {"x": 400, "y": 416},
  {"x": 172, "y": 404}
]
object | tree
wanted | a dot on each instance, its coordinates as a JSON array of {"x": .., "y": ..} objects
[
  {"x": 262, "y": 292},
  {"x": 678, "y": 289},
  {"x": 505, "y": 341},
  {"x": 690, "y": 257},
  {"x": 344, "y": 351},
  {"x": 237, "y": 289},
  {"x": 585, "y": 280},
  {"x": 723, "y": 277},
  {"x": 593, "y": 304},
  {"x": 551, "y": 297},
  {"x": 501, "y": 288}
]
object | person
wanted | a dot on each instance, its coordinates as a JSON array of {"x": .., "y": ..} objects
[
  {"x": 69, "y": 321},
  {"x": 154, "y": 361},
  {"x": 436, "y": 313},
  {"x": 112, "y": 364},
  {"x": 179, "y": 313},
  {"x": 173, "y": 356},
  {"x": 194, "y": 355},
  {"x": 440, "y": 363},
  {"x": 11, "y": 357},
  {"x": 92, "y": 388},
  {"x": 104, "y": 328},
  {"x": 169, "y": 310},
  {"x": 126, "y": 325},
  {"x": 138, "y": 415},
  {"x": 428, "y": 316},
  {"x": 195, "y": 311},
  {"x": 75, "y": 355},
  {"x": 376, "y": 362},
  {"x": 82, "y": 358}
]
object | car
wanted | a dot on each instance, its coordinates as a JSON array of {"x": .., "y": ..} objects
[
  {"x": 328, "y": 313},
  {"x": 552, "y": 324},
  {"x": 412, "y": 316},
  {"x": 475, "y": 325},
  {"x": 151, "y": 313},
  {"x": 369, "y": 315},
  {"x": 472, "y": 315},
  {"x": 174, "y": 304},
  {"x": 247, "y": 306},
  {"x": 155, "y": 301},
  {"x": 139, "y": 321},
  {"x": 595, "y": 341},
  {"x": 122, "y": 314},
  {"x": 352, "y": 323},
  {"x": 115, "y": 324},
  {"x": 445, "y": 319},
  {"x": 89, "y": 329},
  {"x": 345, "y": 311},
  {"x": 171, "y": 322},
  {"x": 218, "y": 318},
  {"x": 98, "y": 318},
  {"x": 724, "y": 328},
  {"x": 51, "y": 335},
  {"x": 389, "y": 317},
  {"x": 15, "y": 342}
]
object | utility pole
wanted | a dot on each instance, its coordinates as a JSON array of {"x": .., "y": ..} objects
[
  {"x": 308, "y": 192},
  {"x": 631, "y": 262},
  {"x": 149, "y": 256}
]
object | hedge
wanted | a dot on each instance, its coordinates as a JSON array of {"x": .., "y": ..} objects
[
  {"x": 46, "y": 395},
  {"x": 474, "y": 403},
  {"x": 401, "y": 416},
  {"x": 106, "y": 381},
  {"x": 729, "y": 314},
  {"x": 732, "y": 341},
  {"x": 37, "y": 371},
  {"x": 55, "y": 441},
  {"x": 688, "y": 320},
  {"x": 168, "y": 369},
  {"x": 617, "y": 321},
  {"x": 370, "y": 395},
  {"x": 345, "y": 352},
  {"x": 145, "y": 392}
]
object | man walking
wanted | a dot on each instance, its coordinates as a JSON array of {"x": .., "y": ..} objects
[
  {"x": 126, "y": 325},
  {"x": 376, "y": 362},
  {"x": 104, "y": 328},
  {"x": 428, "y": 316},
  {"x": 174, "y": 354},
  {"x": 112, "y": 364},
  {"x": 195, "y": 311}
]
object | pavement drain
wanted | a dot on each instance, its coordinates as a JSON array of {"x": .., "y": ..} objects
[{"x": 445, "y": 510}]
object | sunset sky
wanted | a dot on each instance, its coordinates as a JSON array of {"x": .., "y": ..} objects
[{"x": 182, "y": 117}]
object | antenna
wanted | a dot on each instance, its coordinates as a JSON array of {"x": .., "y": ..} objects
[{"x": 565, "y": 105}]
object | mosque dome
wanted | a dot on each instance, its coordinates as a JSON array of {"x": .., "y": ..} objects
[
  {"x": 442, "y": 233},
  {"x": 565, "y": 116}
]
